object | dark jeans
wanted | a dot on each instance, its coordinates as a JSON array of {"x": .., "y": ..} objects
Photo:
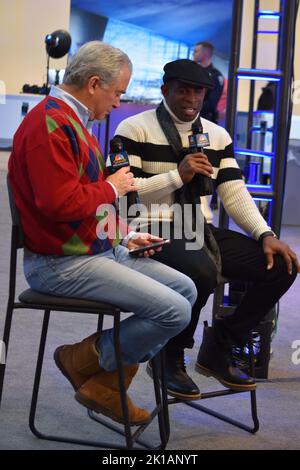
[{"x": 242, "y": 259}]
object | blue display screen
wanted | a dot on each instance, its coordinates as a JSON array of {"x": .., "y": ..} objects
[{"x": 149, "y": 52}]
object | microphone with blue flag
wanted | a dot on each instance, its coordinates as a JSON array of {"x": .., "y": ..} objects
[{"x": 117, "y": 159}]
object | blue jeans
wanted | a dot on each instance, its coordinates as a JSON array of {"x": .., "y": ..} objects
[{"x": 160, "y": 297}]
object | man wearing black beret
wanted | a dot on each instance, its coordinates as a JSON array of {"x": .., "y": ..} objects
[{"x": 165, "y": 172}]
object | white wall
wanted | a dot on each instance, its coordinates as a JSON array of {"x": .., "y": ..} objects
[
  {"x": 24, "y": 24},
  {"x": 23, "y": 27}
]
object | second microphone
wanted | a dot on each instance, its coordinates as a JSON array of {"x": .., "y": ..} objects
[{"x": 118, "y": 158}]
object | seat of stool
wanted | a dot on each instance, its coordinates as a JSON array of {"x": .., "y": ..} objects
[{"x": 31, "y": 296}]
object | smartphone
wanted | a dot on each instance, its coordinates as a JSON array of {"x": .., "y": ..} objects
[{"x": 142, "y": 249}]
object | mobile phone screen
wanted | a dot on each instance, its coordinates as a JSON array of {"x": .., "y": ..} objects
[{"x": 142, "y": 249}]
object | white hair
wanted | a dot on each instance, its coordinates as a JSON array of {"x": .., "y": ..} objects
[{"x": 95, "y": 58}]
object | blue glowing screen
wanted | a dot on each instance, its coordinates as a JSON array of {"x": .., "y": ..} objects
[{"x": 149, "y": 52}]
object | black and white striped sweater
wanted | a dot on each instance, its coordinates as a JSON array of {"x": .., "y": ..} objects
[{"x": 155, "y": 168}]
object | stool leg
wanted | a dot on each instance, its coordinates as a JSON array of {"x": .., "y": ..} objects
[
  {"x": 253, "y": 392},
  {"x": 100, "y": 322},
  {"x": 123, "y": 395},
  {"x": 160, "y": 388},
  {"x": 164, "y": 393},
  {"x": 15, "y": 239},
  {"x": 6, "y": 335},
  {"x": 38, "y": 372}
]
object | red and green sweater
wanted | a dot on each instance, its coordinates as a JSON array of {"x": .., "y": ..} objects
[{"x": 58, "y": 180}]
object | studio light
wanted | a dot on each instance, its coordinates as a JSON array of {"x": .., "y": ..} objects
[{"x": 58, "y": 44}]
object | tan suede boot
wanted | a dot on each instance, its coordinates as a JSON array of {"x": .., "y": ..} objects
[
  {"x": 78, "y": 362},
  {"x": 101, "y": 393}
]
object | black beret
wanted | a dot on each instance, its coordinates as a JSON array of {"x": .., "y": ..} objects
[{"x": 187, "y": 71}]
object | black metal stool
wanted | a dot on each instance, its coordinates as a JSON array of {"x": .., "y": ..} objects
[
  {"x": 222, "y": 311},
  {"x": 220, "y": 393},
  {"x": 31, "y": 299}
]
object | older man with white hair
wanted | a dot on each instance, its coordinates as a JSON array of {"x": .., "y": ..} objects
[{"x": 60, "y": 183}]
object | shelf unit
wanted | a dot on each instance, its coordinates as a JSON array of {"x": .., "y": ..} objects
[{"x": 265, "y": 187}]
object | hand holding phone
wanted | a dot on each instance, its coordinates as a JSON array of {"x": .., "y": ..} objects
[{"x": 152, "y": 246}]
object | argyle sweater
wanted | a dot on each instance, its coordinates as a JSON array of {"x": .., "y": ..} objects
[
  {"x": 155, "y": 167},
  {"x": 58, "y": 180}
]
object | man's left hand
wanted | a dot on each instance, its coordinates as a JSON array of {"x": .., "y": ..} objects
[
  {"x": 142, "y": 240},
  {"x": 273, "y": 246}
]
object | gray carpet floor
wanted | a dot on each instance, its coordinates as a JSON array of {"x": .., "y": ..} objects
[{"x": 278, "y": 397}]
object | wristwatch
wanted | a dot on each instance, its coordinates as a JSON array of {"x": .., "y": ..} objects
[{"x": 269, "y": 233}]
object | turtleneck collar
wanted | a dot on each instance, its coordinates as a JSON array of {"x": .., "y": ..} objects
[{"x": 183, "y": 126}]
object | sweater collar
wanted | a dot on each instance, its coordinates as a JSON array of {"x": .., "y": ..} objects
[
  {"x": 82, "y": 112},
  {"x": 182, "y": 126}
]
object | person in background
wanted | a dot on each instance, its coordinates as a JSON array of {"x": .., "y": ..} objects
[
  {"x": 75, "y": 244},
  {"x": 203, "y": 53},
  {"x": 267, "y": 99}
]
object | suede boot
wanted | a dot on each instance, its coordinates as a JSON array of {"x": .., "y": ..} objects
[
  {"x": 215, "y": 359},
  {"x": 101, "y": 393},
  {"x": 79, "y": 361}
]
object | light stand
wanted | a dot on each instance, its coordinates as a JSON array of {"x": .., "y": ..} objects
[{"x": 47, "y": 80}]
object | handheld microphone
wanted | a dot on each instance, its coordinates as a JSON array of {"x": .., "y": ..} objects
[
  {"x": 118, "y": 158},
  {"x": 197, "y": 141}
]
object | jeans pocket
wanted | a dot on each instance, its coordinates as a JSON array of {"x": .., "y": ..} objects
[
  {"x": 38, "y": 272},
  {"x": 30, "y": 261}
]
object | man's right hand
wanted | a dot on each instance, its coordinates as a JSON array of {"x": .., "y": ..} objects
[
  {"x": 123, "y": 180},
  {"x": 194, "y": 163}
]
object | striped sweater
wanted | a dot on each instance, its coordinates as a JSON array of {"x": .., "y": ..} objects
[{"x": 154, "y": 165}]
